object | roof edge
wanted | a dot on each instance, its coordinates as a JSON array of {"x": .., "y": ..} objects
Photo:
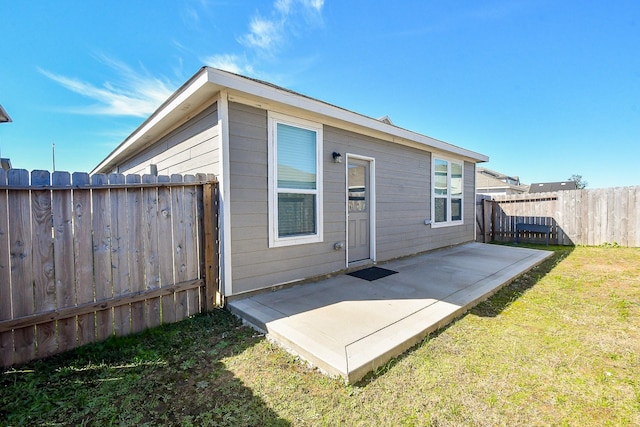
[
  {"x": 4, "y": 116},
  {"x": 208, "y": 81}
]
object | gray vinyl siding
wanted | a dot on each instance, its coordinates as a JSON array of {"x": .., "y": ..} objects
[
  {"x": 192, "y": 148},
  {"x": 254, "y": 264},
  {"x": 403, "y": 193}
]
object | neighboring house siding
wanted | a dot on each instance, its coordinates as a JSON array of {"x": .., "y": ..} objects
[
  {"x": 403, "y": 203},
  {"x": 192, "y": 148},
  {"x": 255, "y": 265}
]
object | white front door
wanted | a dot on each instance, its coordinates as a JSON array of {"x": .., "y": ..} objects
[{"x": 359, "y": 210}]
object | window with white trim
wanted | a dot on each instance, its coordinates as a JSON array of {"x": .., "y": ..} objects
[
  {"x": 295, "y": 181},
  {"x": 447, "y": 192}
]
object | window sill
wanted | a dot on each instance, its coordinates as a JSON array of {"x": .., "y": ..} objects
[
  {"x": 293, "y": 241},
  {"x": 446, "y": 224}
]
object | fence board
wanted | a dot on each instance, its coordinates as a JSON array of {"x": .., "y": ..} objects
[
  {"x": 591, "y": 229},
  {"x": 201, "y": 177},
  {"x": 622, "y": 213},
  {"x": 120, "y": 254},
  {"x": 82, "y": 259},
  {"x": 6, "y": 338},
  {"x": 165, "y": 249},
  {"x": 43, "y": 262},
  {"x": 20, "y": 248},
  {"x": 83, "y": 256},
  {"x": 179, "y": 237},
  {"x": 101, "y": 220},
  {"x": 634, "y": 216},
  {"x": 64, "y": 262},
  {"x": 191, "y": 249},
  {"x": 211, "y": 255},
  {"x": 151, "y": 266},
  {"x": 136, "y": 250}
]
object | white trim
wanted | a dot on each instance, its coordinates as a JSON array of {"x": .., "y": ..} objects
[
  {"x": 372, "y": 203},
  {"x": 224, "y": 196},
  {"x": 475, "y": 202},
  {"x": 447, "y": 223},
  {"x": 274, "y": 240}
]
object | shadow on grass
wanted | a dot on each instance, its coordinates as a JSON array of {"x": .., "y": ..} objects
[
  {"x": 504, "y": 297},
  {"x": 170, "y": 375},
  {"x": 490, "y": 307}
]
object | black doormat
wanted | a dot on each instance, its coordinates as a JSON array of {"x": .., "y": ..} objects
[{"x": 372, "y": 273}]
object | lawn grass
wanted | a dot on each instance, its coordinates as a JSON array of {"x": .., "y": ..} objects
[{"x": 559, "y": 346}]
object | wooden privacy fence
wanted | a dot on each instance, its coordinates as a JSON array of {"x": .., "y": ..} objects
[
  {"x": 576, "y": 217},
  {"x": 86, "y": 258}
]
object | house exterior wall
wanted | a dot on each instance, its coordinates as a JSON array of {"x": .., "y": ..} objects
[
  {"x": 403, "y": 195},
  {"x": 193, "y": 147},
  {"x": 255, "y": 265},
  {"x": 403, "y": 203}
]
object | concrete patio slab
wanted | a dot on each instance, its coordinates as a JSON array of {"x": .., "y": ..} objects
[{"x": 347, "y": 326}]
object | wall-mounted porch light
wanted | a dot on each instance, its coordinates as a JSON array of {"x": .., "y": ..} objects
[{"x": 337, "y": 157}]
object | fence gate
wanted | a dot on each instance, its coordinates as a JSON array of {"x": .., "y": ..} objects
[{"x": 84, "y": 258}]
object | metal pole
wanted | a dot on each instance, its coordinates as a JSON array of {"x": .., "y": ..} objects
[{"x": 53, "y": 156}]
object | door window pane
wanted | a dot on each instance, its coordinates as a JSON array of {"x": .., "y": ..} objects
[{"x": 357, "y": 188}]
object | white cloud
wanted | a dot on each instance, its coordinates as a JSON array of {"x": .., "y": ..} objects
[
  {"x": 315, "y": 4},
  {"x": 135, "y": 94},
  {"x": 265, "y": 34},
  {"x": 191, "y": 16},
  {"x": 232, "y": 63},
  {"x": 283, "y": 6},
  {"x": 268, "y": 35}
]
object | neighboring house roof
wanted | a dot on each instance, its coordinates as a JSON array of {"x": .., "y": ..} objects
[
  {"x": 492, "y": 182},
  {"x": 385, "y": 119},
  {"x": 4, "y": 117},
  {"x": 546, "y": 187},
  {"x": 208, "y": 82}
]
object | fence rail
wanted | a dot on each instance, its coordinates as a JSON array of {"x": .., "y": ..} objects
[
  {"x": 575, "y": 217},
  {"x": 84, "y": 258}
]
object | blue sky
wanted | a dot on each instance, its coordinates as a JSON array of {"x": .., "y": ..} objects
[{"x": 546, "y": 89}]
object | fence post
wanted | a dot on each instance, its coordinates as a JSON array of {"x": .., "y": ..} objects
[
  {"x": 487, "y": 209},
  {"x": 494, "y": 214},
  {"x": 213, "y": 296}
]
